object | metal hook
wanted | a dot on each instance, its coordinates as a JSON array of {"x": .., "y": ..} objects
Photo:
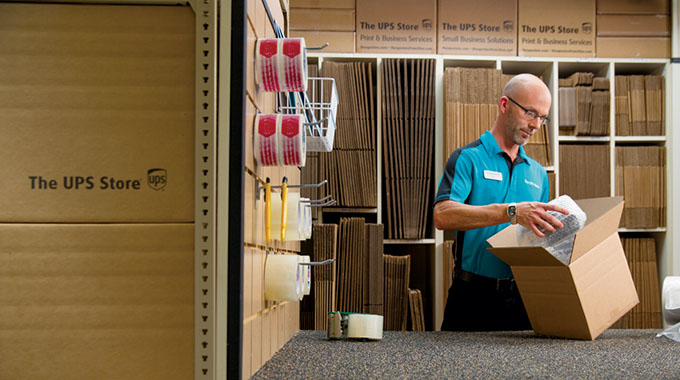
[
  {"x": 306, "y": 186},
  {"x": 329, "y": 203},
  {"x": 318, "y": 263},
  {"x": 317, "y": 47},
  {"x": 314, "y": 201}
]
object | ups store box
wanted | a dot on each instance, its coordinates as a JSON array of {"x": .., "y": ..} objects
[
  {"x": 633, "y": 6},
  {"x": 396, "y": 26},
  {"x": 96, "y": 173},
  {"x": 556, "y": 28},
  {"x": 487, "y": 27},
  {"x": 98, "y": 300},
  {"x": 580, "y": 300},
  {"x": 97, "y": 125},
  {"x": 633, "y": 47}
]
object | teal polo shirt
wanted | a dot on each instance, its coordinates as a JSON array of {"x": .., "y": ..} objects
[{"x": 480, "y": 173}]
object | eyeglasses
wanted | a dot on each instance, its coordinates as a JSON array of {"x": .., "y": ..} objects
[{"x": 531, "y": 114}]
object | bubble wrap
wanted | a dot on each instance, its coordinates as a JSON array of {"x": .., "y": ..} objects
[{"x": 560, "y": 242}]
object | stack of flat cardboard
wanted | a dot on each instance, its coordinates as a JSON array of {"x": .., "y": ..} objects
[
  {"x": 314, "y": 308},
  {"x": 408, "y": 145},
  {"x": 471, "y": 96},
  {"x": 640, "y": 105},
  {"x": 584, "y": 105},
  {"x": 640, "y": 178},
  {"x": 641, "y": 256},
  {"x": 351, "y": 167},
  {"x": 415, "y": 301},
  {"x": 471, "y": 101},
  {"x": 397, "y": 277},
  {"x": 373, "y": 269},
  {"x": 359, "y": 277},
  {"x": 324, "y": 21},
  {"x": 633, "y": 28},
  {"x": 584, "y": 170}
]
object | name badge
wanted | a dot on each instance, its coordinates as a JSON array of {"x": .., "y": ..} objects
[{"x": 496, "y": 176}]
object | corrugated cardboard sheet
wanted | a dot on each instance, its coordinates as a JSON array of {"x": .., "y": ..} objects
[
  {"x": 96, "y": 301},
  {"x": 408, "y": 146},
  {"x": 584, "y": 298},
  {"x": 98, "y": 113}
]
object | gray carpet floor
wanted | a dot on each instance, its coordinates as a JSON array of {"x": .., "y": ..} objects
[{"x": 616, "y": 354}]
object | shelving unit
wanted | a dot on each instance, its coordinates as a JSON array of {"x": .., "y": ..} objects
[{"x": 551, "y": 70}]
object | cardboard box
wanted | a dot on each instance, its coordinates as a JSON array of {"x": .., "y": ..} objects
[
  {"x": 633, "y": 47},
  {"x": 633, "y": 7},
  {"x": 556, "y": 28},
  {"x": 396, "y": 26},
  {"x": 322, "y": 19},
  {"x": 338, "y": 42},
  {"x": 487, "y": 27},
  {"x": 584, "y": 298},
  {"x": 633, "y": 26},
  {"x": 334, "y": 4},
  {"x": 97, "y": 301},
  {"x": 97, "y": 125}
]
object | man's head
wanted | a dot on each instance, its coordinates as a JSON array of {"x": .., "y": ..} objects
[{"x": 524, "y": 106}]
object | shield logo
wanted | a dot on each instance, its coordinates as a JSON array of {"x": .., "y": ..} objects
[{"x": 157, "y": 178}]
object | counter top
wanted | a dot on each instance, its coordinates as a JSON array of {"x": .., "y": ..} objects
[{"x": 618, "y": 354}]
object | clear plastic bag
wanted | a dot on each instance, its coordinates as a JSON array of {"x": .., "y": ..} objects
[
  {"x": 672, "y": 333},
  {"x": 561, "y": 242}
]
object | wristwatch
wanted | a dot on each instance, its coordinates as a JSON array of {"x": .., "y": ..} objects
[{"x": 512, "y": 213}]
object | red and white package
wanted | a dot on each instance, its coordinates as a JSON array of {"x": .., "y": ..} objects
[{"x": 293, "y": 145}]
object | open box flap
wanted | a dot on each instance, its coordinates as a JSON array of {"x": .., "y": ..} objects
[
  {"x": 603, "y": 216},
  {"x": 505, "y": 246},
  {"x": 526, "y": 256}
]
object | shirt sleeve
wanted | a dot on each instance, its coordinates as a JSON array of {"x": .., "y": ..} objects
[{"x": 456, "y": 182}]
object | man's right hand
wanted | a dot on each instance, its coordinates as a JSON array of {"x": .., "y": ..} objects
[{"x": 535, "y": 214}]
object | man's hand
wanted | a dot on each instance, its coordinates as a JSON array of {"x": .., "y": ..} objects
[{"x": 535, "y": 214}]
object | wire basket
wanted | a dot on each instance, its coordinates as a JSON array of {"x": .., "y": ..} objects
[{"x": 319, "y": 104}]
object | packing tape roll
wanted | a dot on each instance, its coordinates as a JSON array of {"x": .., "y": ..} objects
[
  {"x": 308, "y": 221},
  {"x": 367, "y": 326},
  {"x": 280, "y": 140},
  {"x": 292, "y": 140},
  {"x": 306, "y": 276},
  {"x": 282, "y": 278},
  {"x": 267, "y": 64},
  {"x": 671, "y": 299},
  {"x": 294, "y": 63},
  {"x": 267, "y": 143},
  {"x": 281, "y": 64}
]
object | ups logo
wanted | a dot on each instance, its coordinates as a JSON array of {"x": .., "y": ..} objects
[{"x": 157, "y": 178}]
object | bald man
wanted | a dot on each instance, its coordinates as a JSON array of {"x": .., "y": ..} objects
[{"x": 487, "y": 185}]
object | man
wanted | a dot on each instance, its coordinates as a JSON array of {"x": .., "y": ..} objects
[{"x": 486, "y": 185}]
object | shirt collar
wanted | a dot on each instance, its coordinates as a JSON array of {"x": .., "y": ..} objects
[{"x": 491, "y": 145}]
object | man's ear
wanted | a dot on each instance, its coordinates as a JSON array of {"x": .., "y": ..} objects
[{"x": 503, "y": 104}]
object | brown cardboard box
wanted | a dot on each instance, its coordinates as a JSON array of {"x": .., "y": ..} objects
[
  {"x": 96, "y": 301},
  {"x": 338, "y": 42},
  {"x": 341, "y": 20},
  {"x": 633, "y": 7},
  {"x": 97, "y": 125},
  {"x": 331, "y": 4},
  {"x": 633, "y": 47},
  {"x": 584, "y": 298},
  {"x": 396, "y": 26},
  {"x": 487, "y": 27},
  {"x": 556, "y": 28},
  {"x": 633, "y": 26}
]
